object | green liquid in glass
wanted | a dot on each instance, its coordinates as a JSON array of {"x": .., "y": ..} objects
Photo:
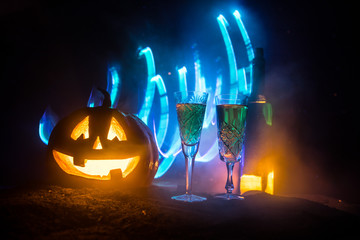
[
  {"x": 231, "y": 119},
  {"x": 190, "y": 117}
]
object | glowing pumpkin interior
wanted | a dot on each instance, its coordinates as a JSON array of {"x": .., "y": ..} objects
[{"x": 96, "y": 168}]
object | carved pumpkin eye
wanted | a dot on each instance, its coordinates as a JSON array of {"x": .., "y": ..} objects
[
  {"x": 97, "y": 168},
  {"x": 116, "y": 131},
  {"x": 82, "y": 128},
  {"x": 102, "y": 143}
]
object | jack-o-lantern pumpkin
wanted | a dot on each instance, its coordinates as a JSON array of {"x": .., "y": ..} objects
[{"x": 102, "y": 143}]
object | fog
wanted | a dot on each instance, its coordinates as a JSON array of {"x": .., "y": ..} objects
[{"x": 57, "y": 52}]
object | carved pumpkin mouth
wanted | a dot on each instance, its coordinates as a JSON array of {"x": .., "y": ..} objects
[
  {"x": 95, "y": 169},
  {"x": 102, "y": 143},
  {"x": 98, "y": 162}
]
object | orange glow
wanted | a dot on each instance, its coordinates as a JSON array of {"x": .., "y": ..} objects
[
  {"x": 116, "y": 131},
  {"x": 95, "y": 169},
  {"x": 81, "y": 128},
  {"x": 270, "y": 183},
  {"x": 254, "y": 183},
  {"x": 97, "y": 144},
  {"x": 250, "y": 183}
]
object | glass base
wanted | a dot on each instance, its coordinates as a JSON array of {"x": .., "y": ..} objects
[
  {"x": 229, "y": 196},
  {"x": 189, "y": 198}
]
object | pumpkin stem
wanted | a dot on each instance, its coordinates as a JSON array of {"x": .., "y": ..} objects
[{"x": 107, "y": 100}]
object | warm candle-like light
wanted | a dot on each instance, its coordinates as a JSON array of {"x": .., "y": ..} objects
[
  {"x": 254, "y": 183},
  {"x": 270, "y": 183}
]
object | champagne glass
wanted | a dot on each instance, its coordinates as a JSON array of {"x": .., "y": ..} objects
[
  {"x": 231, "y": 111},
  {"x": 190, "y": 108}
]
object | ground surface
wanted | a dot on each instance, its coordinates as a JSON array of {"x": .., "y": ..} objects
[{"x": 55, "y": 212}]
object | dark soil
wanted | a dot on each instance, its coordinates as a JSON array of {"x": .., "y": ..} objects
[{"x": 55, "y": 212}]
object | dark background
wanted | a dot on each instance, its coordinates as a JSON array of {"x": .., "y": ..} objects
[{"x": 54, "y": 52}]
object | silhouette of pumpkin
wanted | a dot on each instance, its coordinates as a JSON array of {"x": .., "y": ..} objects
[{"x": 102, "y": 143}]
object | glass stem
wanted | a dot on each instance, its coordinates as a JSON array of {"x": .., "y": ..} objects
[
  {"x": 229, "y": 182},
  {"x": 189, "y": 165},
  {"x": 189, "y": 153}
]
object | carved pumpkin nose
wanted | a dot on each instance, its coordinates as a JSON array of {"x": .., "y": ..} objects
[{"x": 97, "y": 143}]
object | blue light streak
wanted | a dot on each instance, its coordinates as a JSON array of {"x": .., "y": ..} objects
[
  {"x": 209, "y": 126},
  {"x": 217, "y": 92},
  {"x": 210, "y": 111},
  {"x": 209, "y": 121},
  {"x": 218, "y": 85},
  {"x": 164, "y": 110},
  {"x": 240, "y": 81},
  {"x": 91, "y": 101},
  {"x": 113, "y": 86},
  {"x": 249, "y": 50},
  {"x": 96, "y": 98},
  {"x": 160, "y": 134},
  {"x": 150, "y": 88},
  {"x": 46, "y": 125},
  {"x": 182, "y": 79},
  {"x": 245, "y": 35},
  {"x": 165, "y": 166},
  {"x": 210, "y": 154},
  {"x": 230, "y": 53},
  {"x": 42, "y": 133},
  {"x": 168, "y": 157},
  {"x": 200, "y": 84},
  {"x": 175, "y": 146}
]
